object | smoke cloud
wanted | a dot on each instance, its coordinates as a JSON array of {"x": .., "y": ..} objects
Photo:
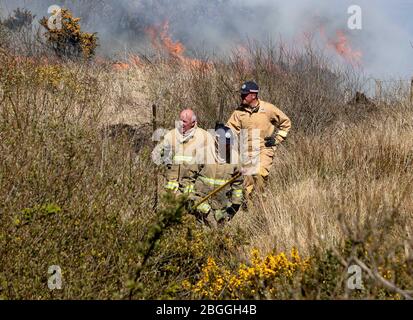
[{"x": 218, "y": 25}]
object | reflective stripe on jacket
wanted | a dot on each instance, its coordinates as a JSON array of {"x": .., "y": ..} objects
[
  {"x": 214, "y": 175},
  {"x": 182, "y": 160}
]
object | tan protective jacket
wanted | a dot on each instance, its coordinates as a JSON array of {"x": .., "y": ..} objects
[
  {"x": 265, "y": 117},
  {"x": 184, "y": 159}
]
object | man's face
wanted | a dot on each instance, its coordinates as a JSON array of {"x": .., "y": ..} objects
[
  {"x": 248, "y": 98},
  {"x": 187, "y": 124}
]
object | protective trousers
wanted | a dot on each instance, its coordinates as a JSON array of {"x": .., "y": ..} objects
[{"x": 257, "y": 180}]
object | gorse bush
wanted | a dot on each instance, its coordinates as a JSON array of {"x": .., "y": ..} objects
[
  {"x": 258, "y": 280},
  {"x": 69, "y": 41},
  {"x": 178, "y": 257}
]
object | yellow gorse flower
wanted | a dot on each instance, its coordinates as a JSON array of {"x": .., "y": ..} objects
[{"x": 247, "y": 280}]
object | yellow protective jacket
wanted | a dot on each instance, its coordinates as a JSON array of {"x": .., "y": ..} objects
[
  {"x": 183, "y": 162},
  {"x": 213, "y": 176},
  {"x": 266, "y": 117}
]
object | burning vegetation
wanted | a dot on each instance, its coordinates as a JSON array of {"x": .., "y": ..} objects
[
  {"x": 162, "y": 42},
  {"x": 342, "y": 47},
  {"x": 340, "y": 44}
]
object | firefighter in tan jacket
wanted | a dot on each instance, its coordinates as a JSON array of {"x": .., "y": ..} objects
[
  {"x": 179, "y": 152},
  {"x": 262, "y": 126},
  {"x": 216, "y": 172}
]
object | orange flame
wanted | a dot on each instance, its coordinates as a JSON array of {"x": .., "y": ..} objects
[
  {"x": 121, "y": 66},
  {"x": 342, "y": 47},
  {"x": 162, "y": 42},
  {"x": 132, "y": 61},
  {"x": 174, "y": 48}
]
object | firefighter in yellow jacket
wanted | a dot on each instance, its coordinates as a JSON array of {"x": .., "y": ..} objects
[
  {"x": 179, "y": 152},
  {"x": 219, "y": 169},
  {"x": 262, "y": 126}
]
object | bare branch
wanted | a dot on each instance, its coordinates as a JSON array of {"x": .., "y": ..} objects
[{"x": 383, "y": 281}]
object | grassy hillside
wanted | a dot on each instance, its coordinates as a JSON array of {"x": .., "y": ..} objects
[{"x": 77, "y": 195}]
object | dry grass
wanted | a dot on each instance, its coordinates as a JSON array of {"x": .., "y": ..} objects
[
  {"x": 129, "y": 101},
  {"x": 340, "y": 188},
  {"x": 359, "y": 170}
]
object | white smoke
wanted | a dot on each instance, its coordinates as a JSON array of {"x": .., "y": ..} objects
[{"x": 218, "y": 25}]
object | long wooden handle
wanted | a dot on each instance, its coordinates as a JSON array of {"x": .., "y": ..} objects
[{"x": 217, "y": 190}]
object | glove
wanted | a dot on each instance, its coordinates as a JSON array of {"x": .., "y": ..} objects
[
  {"x": 270, "y": 142},
  {"x": 232, "y": 210}
]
